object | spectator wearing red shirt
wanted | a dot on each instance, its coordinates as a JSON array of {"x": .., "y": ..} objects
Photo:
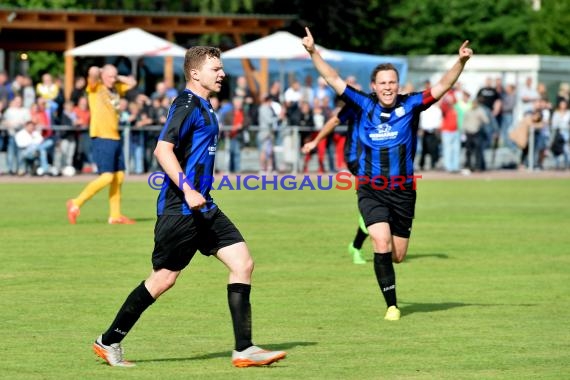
[
  {"x": 450, "y": 135},
  {"x": 237, "y": 118}
]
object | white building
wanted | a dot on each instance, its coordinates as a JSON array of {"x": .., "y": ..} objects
[{"x": 550, "y": 70}]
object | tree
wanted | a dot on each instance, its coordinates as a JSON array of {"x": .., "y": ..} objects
[
  {"x": 492, "y": 26},
  {"x": 548, "y": 31}
]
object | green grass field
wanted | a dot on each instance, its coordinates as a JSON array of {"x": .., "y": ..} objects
[{"x": 484, "y": 292}]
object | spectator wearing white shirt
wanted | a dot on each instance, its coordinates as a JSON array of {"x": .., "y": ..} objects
[
  {"x": 293, "y": 96},
  {"x": 14, "y": 119},
  {"x": 31, "y": 145},
  {"x": 430, "y": 124},
  {"x": 528, "y": 96},
  {"x": 560, "y": 123}
]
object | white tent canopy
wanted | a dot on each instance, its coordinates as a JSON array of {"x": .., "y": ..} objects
[
  {"x": 279, "y": 49},
  {"x": 285, "y": 53},
  {"x": 279, "y": 45},
  {"x": 132, "y": 42}
]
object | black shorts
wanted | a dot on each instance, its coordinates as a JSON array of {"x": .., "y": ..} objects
[
  {"x": 395, "y": 207},
  {"x": 178, "y": 237}
]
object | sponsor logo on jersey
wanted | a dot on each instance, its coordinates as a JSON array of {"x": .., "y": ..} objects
[{"x": 383, "y": 132}]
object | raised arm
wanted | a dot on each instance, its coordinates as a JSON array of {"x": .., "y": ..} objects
[
  {"x": 451, "y": 76},
  {"x": 325, "y": 70},
  {"x": 329, "y": 126},
  {"x": 129, "y": 80},
  {"x": 93, "y": 76}
]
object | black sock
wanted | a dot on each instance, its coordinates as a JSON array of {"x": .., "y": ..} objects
[
  {"x": 240, "y": 309},
  {"x": 359, "y": 239},
  {"x": 135, "y": 304},
  {"x": 384, "y": 269}
]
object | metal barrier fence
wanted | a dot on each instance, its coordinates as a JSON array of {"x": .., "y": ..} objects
[{"x": 287, "y": 145}]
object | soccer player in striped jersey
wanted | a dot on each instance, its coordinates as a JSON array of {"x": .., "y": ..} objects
[
  {"x": 386, "y": 127},
  {"x": 188, "y": 218}
]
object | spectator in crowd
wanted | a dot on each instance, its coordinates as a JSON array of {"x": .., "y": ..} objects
[
  {"x": 32, "y": 145},
  {"x": 83, "y": 155},
  {"x": 530, "y": 124},
  {"x": 22, "y": 86},
  {"x": 292, "y": 98},
  {"x": 307, "y": 92},
  {"x": 324, "y": 93},
  {"x": 499, "y": 87},
  {"x": 28, "y": 92},
  {"x": 473, "y": 121},
  {"x": 43, "y": 118},
  {"x": 508, "y": 104},
  {"x": 59, "y": 99},
  {"x": 275, "y": 91},
  {"x": 528, "y": 96},
  {"x": 67, "y": 138},
  {"x": 267, "y": 122},
  {"x": 543, "y": 94},
  {"x": 13, "y": 120},
  {"x": 560, "y": 124},
  {"x": 5, "y": 90},
  {"x": 329, "y": 141},
  {"x": 307, "y": 133},
  {"x": 159, "y": 90},
  {"x": 543, "y": 134},
  {"x": 241, "y": 89},
  {"x": 563, "y": 92},
  {"x": 489, "y": 98},
  {"x": 132, "y": 93},
  {"x": 430, "y": 125},
  {"x": 238, "y": 120},
  {"x": 139, "y": 119},
  {"x": 171, "y": 90},
  {"x": 124, "y": 113},
  {"x": 78, "y": 89},
  {"x": 450, "y": 138},
  {"x": 158, "y": 113},
  {"x": 352, "y": 81},
  {"x": 48, "y": 90}
]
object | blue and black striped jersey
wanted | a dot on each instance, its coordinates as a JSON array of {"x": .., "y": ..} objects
[
  {"x": 386, "y": 137},
  {"x": 193, "y": 128}
]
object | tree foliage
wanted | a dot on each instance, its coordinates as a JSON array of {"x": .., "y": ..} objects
[
  {"x": 549, "y": 30},
  {"x": 42, "y": 62},
  {"x": 492, "y": 26},
  {"x": 385, "y": 27}
]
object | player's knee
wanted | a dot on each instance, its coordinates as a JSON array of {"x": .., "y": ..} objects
[
  {"x": 397, "y": 259},
  {"x": 247, "y": 266},
  {"x": 382, "y": 245},
  {"x": 398, "y": 256},
  {"x": 159, "y": 283},
  {"x": 119, "y": 177},
  {"x": 107, "y": 177}
]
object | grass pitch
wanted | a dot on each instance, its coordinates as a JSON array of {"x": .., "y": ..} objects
[{"x": 484, "y": 292}]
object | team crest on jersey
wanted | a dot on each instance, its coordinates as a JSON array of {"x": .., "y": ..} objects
[
  {"x": 383, "y": 132},
  {"x": 400, "y": 111},
  {"x": 212, "y": 148}
]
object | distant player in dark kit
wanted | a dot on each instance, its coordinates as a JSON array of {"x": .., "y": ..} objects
[{"x": 189, "y": 220}]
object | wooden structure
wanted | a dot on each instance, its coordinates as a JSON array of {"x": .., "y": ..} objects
[{"x": 60, "y": 30}]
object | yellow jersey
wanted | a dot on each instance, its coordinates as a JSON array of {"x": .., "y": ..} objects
[{"x": 104, "y": 107}]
